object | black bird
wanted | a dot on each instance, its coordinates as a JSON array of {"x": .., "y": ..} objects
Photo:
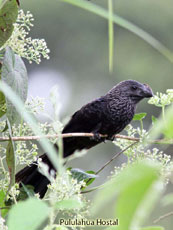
[{"x": 109, "y": 114}]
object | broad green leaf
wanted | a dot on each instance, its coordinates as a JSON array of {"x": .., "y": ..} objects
[
  {"x": 168, "y": 127},
  {"x": 8, "y": 16},
  {"x": 14, "y": 73},
  {"x": 5, "y": 210},
  {"x": 152, "y": 228},
  {"x": 28, "y": 214},
  {"x": 163, "y": 125},
  {"x": 98, "y": 10},
  {"x": 80, "y": 175},
  {"x": 139, "y": 116},
  {"x": 136, "y": 201},
  {"x": 144, "y": 175},
  {"x": 69, "y": 204}
]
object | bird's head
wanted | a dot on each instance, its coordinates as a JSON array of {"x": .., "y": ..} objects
[{"x": 133, "y": 90}]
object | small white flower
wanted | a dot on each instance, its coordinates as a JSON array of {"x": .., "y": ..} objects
[{"x": 31, "y": 49}]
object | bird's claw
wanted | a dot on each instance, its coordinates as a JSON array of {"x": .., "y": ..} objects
[
  {"x": 111, "y": 138},
  {"x": 96, "y": 137}
]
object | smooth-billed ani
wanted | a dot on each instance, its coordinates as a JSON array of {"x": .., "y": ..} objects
[{"x": 109, "y": 114}]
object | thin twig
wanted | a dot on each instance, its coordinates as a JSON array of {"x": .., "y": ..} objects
[
  {"x": 67, "y": 135},
  {"x": 114, "y": 157},
  {"x": 163, "y": 217},
  {"x": 92, "y": 189},
  {"x": 107, "y": 163}
]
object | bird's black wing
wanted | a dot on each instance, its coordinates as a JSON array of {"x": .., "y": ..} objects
[{"x": 88, "y": 119}]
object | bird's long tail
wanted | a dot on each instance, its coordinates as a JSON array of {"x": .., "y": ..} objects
[{"x": 31, "y": 176}]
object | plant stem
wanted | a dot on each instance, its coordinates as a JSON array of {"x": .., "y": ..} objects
[
  {"x": 21, "y": 127},
  {"x": 163, "y": 112},
  {"x": 141, "y": 122},
  {"x": 115, "y": 156},
  {"x": 163, "y": 217},
  {"x": 111, "y": 35}
]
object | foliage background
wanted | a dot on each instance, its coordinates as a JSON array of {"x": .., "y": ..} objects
[{"x": 79, "y": 61}]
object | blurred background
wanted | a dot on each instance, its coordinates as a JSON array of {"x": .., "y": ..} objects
[{"x": 78, "y": 43}]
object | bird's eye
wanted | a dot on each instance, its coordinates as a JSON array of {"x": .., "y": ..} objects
[{"x": 134, "y": 87}]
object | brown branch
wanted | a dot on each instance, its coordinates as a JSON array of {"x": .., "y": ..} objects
[
  {"x": 66, "y": 135},
  {"x": 163, "y": 217}
]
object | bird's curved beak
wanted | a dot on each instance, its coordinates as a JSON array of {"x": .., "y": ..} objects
[{"x": 147, "y": 91}]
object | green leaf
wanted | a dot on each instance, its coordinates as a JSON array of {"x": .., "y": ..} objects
[
  {"x": 139, "y": 116},
  {"x": 25, "y": 192},
  {"x": 5, "y": 128},
  {"x": 138, "y": 188},
  {"x": 154, "y": 120},
  {"x": 69, "y": 204},
  {"x": 111, "y": 35},
  {"x": 5, "y": 210},
  {"x": 163, "y": 125},
  {"x": 152, "y": 228},
  {"x": 14, "y": 73},
  {"x": 61, "y": 228},
  {"x": 10, "y": 159},
  {"x": 91, "y": 180},
  {"x": 168, "y": 127},
  {"x": 2, "y": 103},
  {"x": 80, "y": 175},
  {"x": 86, "y": 5},
  {"x": 28, "y": 214},
  {"x": 2, "y": 97},
  {"x": 139, "y": 197},
  {"x": 8, "y": 16}
]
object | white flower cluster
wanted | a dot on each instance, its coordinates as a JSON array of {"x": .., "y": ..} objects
[
  {"x": 2, "y": 224},
  {"x": 26, "y": 155},
  {"x": 137, "y": 148},
  {"x": 164, "y": 159},
  {"x": 162, "y": 99},
  {"x": 138, "y": 152},
  {"x": 27, "y": 152},
  {"x": 35, "y": 105},
  {"x": 31, "y": 49},
  {"x": 13, "y": 193},
  {"x": 64, "y": 187}
]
